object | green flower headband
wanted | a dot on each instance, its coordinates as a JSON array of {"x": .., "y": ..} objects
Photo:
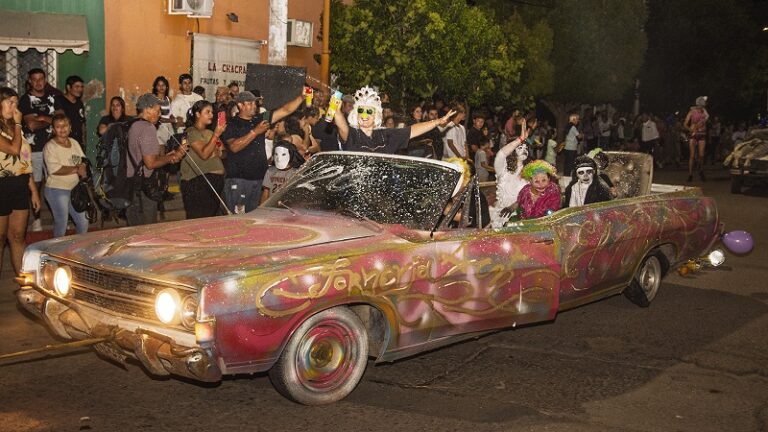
[{"x": 537, "y": 166}]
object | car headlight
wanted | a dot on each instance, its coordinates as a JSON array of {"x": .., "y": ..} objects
[
  {"x": 30, "y": 263},
  {"x": 62, "y": 280},
  {"x": 167, "y": 306},
  {"x": 189, "y": 312},
  {"x": 716, "y": 257}
]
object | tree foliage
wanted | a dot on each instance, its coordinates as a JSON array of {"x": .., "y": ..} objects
[
  {"x": 599, "y": 47},
  {"x": 417, "y": 48}
]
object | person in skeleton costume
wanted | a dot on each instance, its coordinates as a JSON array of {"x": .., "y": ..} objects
[
  {"x": 364, "y": 132},
  {"x": 585, "y": 187},
  {"x": 508, "y": 165},
  {"x": 287, "y": 159}
]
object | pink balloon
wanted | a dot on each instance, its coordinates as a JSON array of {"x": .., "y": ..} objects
[{"x": 738, "y": 242}]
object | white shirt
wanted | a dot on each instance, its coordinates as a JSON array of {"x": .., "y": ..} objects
[
  {"x": 57, "y": 156},
  {"x": 649, "y": 131},
  {"x": 182, "y": 103},
  {"x": 458, "y": 135},
  {"x": 605, "y": 128}
]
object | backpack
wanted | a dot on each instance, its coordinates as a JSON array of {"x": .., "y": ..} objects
[{"x": 113, "y": 186}]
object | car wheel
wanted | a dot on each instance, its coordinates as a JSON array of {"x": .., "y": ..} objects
[
  {"x": 324, "y": 359},
  {"x": 645, "y": 284},
  {"x": 736, "y": 183}
]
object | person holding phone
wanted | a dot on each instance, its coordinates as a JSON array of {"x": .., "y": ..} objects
[
  {"x": 244, "y": 141},
  {"x": 202, "y": 162}
]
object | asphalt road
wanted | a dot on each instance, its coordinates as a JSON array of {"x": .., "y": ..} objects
[{"x": 696, "y": 360}]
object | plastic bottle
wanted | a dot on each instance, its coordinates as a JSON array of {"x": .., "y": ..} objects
[
  {"x": 240, "y": 206},
  {"x": 333, "y": 106},
  {"x": 308, "y": 95}
]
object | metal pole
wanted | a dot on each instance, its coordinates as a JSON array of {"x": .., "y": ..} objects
[
  {"x": 325, "y": 55},
  {"x": 59, "y": 347}
]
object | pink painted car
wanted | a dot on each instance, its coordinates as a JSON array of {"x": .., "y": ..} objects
[{"x": 353, "y": 258}]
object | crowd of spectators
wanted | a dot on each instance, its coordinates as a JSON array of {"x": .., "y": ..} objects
[{"x": 225, "y": 148}]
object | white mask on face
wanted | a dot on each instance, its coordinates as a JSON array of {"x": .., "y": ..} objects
[
  {"x": 282, "y": 158},
  {"x": 585, "y": 175}
]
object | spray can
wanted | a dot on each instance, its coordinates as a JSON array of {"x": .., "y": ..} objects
[
  {"x": 333, "y": 106},
  {"x": 308, "y": 94}
]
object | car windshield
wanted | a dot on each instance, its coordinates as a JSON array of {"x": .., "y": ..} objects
[{"x": 384, "y": 188}]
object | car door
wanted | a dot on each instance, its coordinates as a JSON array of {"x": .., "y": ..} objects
[{"x": 487, "y": 279}]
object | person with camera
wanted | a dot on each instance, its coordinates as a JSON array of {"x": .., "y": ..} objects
[
  {"x": 63, "y": 158},
  {"x": 144, "y": 157}
]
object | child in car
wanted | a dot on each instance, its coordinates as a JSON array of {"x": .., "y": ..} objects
[{"x": 541, "y": 196}]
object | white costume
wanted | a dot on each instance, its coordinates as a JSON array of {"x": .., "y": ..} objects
[{"x": 508, "y": 184}]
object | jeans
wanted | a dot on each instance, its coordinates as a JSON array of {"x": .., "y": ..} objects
[
  {"x": 38, "y": 167},
  {"x": 234, "y": 187},
  {"x": 61, "y": 207}
]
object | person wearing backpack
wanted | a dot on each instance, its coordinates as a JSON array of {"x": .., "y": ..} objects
[{"x": 144, "y": 157}]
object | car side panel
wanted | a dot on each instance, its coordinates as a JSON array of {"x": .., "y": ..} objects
[{"x": 602, "y": 245}]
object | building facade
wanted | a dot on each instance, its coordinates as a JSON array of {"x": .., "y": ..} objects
[{"x": 129, "y": 43}]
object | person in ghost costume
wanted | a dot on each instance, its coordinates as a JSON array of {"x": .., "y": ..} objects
[
  {"x": 509, "y": 164},
  {"x": 287, "y": 160},
  {"x": 585, "y": 187}
]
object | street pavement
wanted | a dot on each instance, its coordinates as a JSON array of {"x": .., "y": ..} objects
[{"x": 696, "y": 360}]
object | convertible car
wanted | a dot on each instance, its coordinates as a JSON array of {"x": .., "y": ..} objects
[{"x": 357, "y": 255}]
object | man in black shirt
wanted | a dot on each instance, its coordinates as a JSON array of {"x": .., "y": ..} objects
[
  {"x": 475, "y": 134},
  {"x": 71, "y": 105},
  {"x": 246, "y": 161},
  {"x": 37, "y": 107}
]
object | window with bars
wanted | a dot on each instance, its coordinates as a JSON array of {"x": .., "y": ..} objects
[{"x": 15, "y": 64}]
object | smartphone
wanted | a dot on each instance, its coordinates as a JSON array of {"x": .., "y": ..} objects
[
  {"x": 222, "y": 118},
  {"x": 267, "y": 117}
]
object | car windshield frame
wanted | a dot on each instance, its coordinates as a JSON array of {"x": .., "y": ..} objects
[{"x": 387, "y": 189}]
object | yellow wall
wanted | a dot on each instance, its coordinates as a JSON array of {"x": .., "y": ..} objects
[{"x": 143, "y": 41}]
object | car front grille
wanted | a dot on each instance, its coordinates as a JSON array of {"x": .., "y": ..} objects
[{"x": 119, "y": 294}]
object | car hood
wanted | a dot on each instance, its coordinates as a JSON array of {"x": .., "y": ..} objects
[{"x": 197, "y": 251}]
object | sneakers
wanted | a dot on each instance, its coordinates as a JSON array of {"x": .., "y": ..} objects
[{"x": 37, "y": 225}]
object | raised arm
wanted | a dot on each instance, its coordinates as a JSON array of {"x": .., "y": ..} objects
[
  {"x": 13, "y": 146},
  {"x": 424, "y": 127},
  {"x": 500, "y": 161},
  {"x": 206, "y": 149},
  {"x": 342, "y": 125},
  {"x": 287, "y": 109}
]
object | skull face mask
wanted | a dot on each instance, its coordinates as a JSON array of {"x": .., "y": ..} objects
[
  {"x": 585, "y": 175},
  {"x": 282, "y": 157},
  {"x": 522, "y": 152}
]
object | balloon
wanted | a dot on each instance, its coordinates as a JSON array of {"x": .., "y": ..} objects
[{"x": 738, "y": 242}]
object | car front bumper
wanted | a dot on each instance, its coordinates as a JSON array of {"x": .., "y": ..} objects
[{"x": 162, "y": 351}]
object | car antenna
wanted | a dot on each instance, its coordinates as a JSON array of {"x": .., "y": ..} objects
[{"x": 284, "y": 205}]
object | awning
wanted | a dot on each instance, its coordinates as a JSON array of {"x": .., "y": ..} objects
[{"x": 43, "y": 31}]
